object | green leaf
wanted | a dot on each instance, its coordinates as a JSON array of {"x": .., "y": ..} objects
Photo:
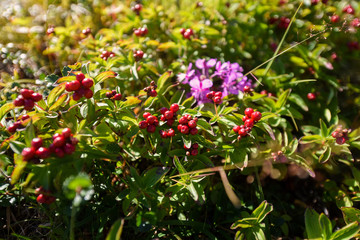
[
  {"x": 310, "y": 139},
  {"x": 267, "y": 128},
  {"x": 162, "y": 82},
  {"x": 326, "y": 226},
  {"x": 262, "y": 211},
  {"x": 282, "y": 99},
  {"x": 73, "y": 184},
  {"x": 351, "y": 215},
  {"x": 293, "y": 145},
  {"x": 238, "y": 156},
  {"x": 29, "y": 134},
  {"x": 58, "y": 102},
  {"x": 180, "y": 167},
  {"x": 7, "y": 107},
  {"x": 346, "y": 232},
  {"x": 324, "y": 157},
  {"x": 19, "y": 168},
  {"x": 323, "y": 129},
  {"x": 152, "y": 176},
  {"x": 312, "y": 224},
  {"x": 164, "y": 102},
  {"x": 130, "y": 102},
  {"x": 66, "y": 79},
  {"x": 57, "y": 91},
  {"x": 116, "y": 230},
  {"x": 104, "y": 75}
]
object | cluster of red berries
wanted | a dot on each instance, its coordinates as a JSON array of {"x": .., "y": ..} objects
[
  {"x": 193, "y": 150},
  {"x": 137, "y": 8},
  {"x": 151, "y": 90},
  {"x": 63, "y": 143},
  {"x": 215, "y": 96},
  {"x": 269, "y": 94},
  {"x": 36, "y": 151},
  {"x": 187, "y": 124},
  {"x": 27, "y": 98},
  {"x": 44, "y": 196},
  {"x": 141, "y": 32},
  {"x": 186, "y": 33},
  {"x": 86, "y": 31},
  {"x": 114, "y": 95},
  {"x": 81, "y": 87},
  {"x": 18, "y": 124},
  {"x": 106, "y": 54},
  {"x": 349, "y": 9},
  {"x": 341, "y": 135},
  {"x": 150, "y": 122},
  {"x": 249, "y": 120},
  {"x": 138, "y": 55},
  {"x": 167, "y": 133},
  {"x": 169, "y": 115}
]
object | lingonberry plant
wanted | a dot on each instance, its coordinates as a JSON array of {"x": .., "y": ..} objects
[{"x": 183, "y": 120}]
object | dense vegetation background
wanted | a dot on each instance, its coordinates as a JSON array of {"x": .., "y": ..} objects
[{"x": 88, "y": 150}]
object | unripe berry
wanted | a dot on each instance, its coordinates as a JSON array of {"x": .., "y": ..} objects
[
  {"x": 28, "y": 153},
  {"x": 37, "y": 143}
]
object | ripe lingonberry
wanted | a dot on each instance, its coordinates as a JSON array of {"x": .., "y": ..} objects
[
  {"x": 335, "y": 18},
  {"x": 80, "y": 76},
  {"x": 194, "y": 131},
  {"x": 174, "y": 107},
  {"x": 194, "y": 152},
  {"x": 256, "y": 116},
  {"x": 169, "y": 114},
  {"x": 12, "y": 128},
  {"x": 171, "y": 132},
  {"x": 151, "y": 128},
  {"x": 242, "y": 132},
  {"x": 138, "y": 55},
  {"x": 28, "y": 153},
  {"x": 152, "y": 93},
  {"x": 87, "y": 83},
  {"x": 163, "y": 134},
  {"x": 150, "y": 119},
  {"x": 349, "y": 9},
  {"x": 36, "y": 143},
  {"x": 88, "y": 93},
  {"x": 249, "y": 123},
  {"x": 184, "y": 129},
  {"x": 26, "y": 93},
  {"x": 59, "y": 141},
  {"x": 248, "y": 112},
  {"x": 340, "y": 140},
  {"x": 183, "y": 120},
  {"x": 59, "y": 152},
  {"x": 66, "y": 132},
  {"x": 143, "y": 124},
  {"x": 42, "y": 152},
  {"x": 28, "y": 104},
  {"x": 217, "y": 100},
  {"x": 236, "y": 128},
  {"x": 19, "y": 101},
  {"x": 69, "y": 148},
  {"x": 117, "y": 96},
  {"x": 210, "y": 95},
  {"x": 311, "y": 96},
  {"x": 36, "y": 97},
  {"x": 192, "y": 124}
]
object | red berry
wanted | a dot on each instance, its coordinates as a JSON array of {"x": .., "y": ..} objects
[
  {"x": 244, "y": 118},
  {"x": 150, "y": 119},
  {"x": 66, "y": 132},
  {"x": 168, "y": 114},
  {"x": 256, "y": 116},
  {"x": 146, "y": 115},
  {"x": 184, "y": 129},
  {"x": 152, "y": 93},
  {"x": 156, "y": 122},
  {"x": 246, "y": 89},
  {"x": 192, "y": 124},
  {"x": 163, "y": 110},
  {"x": 75, "y": 85},
  {"x": 80, "y": 77},
  {"x": 349, "y": 9},
  {"x": 19, "y": 101},
  {"x": 182, "y": 31},
  {"x": 59, "y": 141},
  {"x": 179, "y": 127},
  {"x": 340, "y": 140},
  {"x": 170, "y": 122},
  {"x": 143, "y": 124},
  {"x": 218, "y": 94},
  {"x": 311, "y": 96},
  {"x": 68, "y": 87},
  {"x": 28, "y": 153},
  {"x": 137, "y": 7},
  {"x": 217, "y": 100},
  {"x": 242, "y": 132},
  {"x": 248, "y": 112},
  {"x": 183, "y": 120},
  {"x": 163, "y": 134},
  {"x": 76, "y": 96},
  {"x": 189, "y": 30},
  {"x": 236, "y": 128},
  {"x": 87, "y": 83},
  {"x": 88, "y": 93},
  {"x": 194, "y": 152},
  {"x": 74, "y": 141},
  {"x": 117, "y": 96},
  {"x": 28, "y": 104},
  {"x": 210, "y": 95},
  {"x": 41, "y": 198},
  {"x": 59, "y": 152},
  {"x": 195, "y": 146},
  {"x": 26, "y": 93},
  {"x": 187, "y": 35},
  {"x": 143, "y": 31},
  {"x": 37, "y": 143},
  {"x": 174, "y": 107},
  {"x": 194, "y": 131},
  {"x": 137, "y": 32},
  {"x": 151, "y": 128},
  {"x": 36, "y": 97},
  {"x": 43, "y": 153},
  {"x": 69, "y": 148},
  {"x": 263, "y": 92},
  {"x": 171, "y": 132},
  {"x": 12, "y": 128},
  {"x": 335, "y": 18},
  {"x": 109, "y": 94},
  {"x": 249, "y": 123}
]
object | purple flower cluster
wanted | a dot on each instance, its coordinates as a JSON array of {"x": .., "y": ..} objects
[{"x": 200, "y": 80}]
